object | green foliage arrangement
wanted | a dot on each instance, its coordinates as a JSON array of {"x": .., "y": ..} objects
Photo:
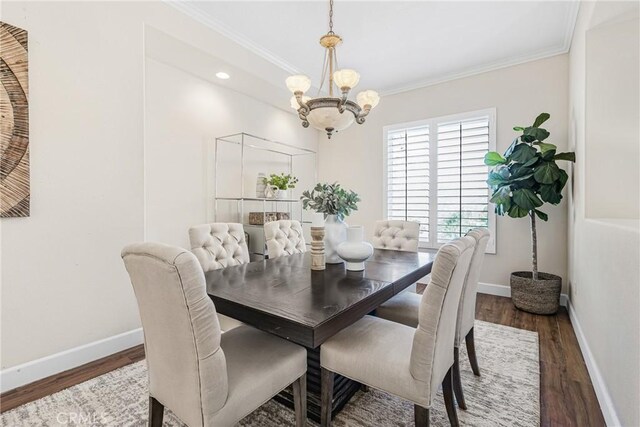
[
  {"x": 330, "y": 199},
  {"x": 527, "y": 176},
  {"x": 282, "y": 181}
]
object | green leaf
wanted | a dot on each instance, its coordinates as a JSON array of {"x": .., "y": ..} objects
[
  {"x": 493, "y": 158},
  {"x": 549, "y": 194},
  {"x": 543, "y": 216},
  {"x": 511, "y": 148},
  {"x": 531, "y": 162},
  {"x": 518, "y": 129},
  {"x": 502, "y": 196},
  {"x": 546, "y": 173},
  {"x": 526, "y": 199},
  {"x": 565, "y": 156},
  {"x": 496, "y": 180},
  {"x": 535, "y": 133},
  {"x": 561, "y": 181},
  {"x": 523, "y": 153},
  {"x": 520, "y": 173},
  {"x": 543, "y": 117},
  {"x": 516, "y": 211},
  {"x": 548, "y": 156},
  {"x": 544, "y": 147}
]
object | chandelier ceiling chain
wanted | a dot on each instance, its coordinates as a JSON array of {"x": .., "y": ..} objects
[
  {"x": 330, "y": 17},
  {"x": 331, "y": 114}
]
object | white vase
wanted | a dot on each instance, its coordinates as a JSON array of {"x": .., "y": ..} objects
[
  {"x": 335, "y": 232},
  {"x": 283, "y": 194},
  {"x": 261, "y": 185},
  {"x": 355, "y": 251}
]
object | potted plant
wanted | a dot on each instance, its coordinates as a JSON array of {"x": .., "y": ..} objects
[
  {"x": 280, "y": 184},
  {"x": 521, "y": 182},
  {"x": 336, "y": 203}
]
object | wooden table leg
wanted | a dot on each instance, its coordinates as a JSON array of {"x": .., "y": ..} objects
[{"x": 343, "y": 389}]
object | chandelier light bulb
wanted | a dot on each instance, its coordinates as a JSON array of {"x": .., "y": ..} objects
[
  {"x": 298, "y": 83},
  {"x": 368, "y": 97},
  {"x": 346, "y": 78},
  {"x": 294, "y": 102}
]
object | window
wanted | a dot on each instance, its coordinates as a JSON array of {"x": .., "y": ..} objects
[{"x": 435, "y": 174}]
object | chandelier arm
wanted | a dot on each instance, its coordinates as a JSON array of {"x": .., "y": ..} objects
[
  {"x": 361, "y": 117},
  {"x": 343, "y": 99},
  {"x": 304, "y": 108}
]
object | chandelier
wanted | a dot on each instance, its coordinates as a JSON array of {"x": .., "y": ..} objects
[{"x": 331, "y": 114}]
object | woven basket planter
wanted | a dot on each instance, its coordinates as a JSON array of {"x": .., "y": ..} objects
[{"x": 539, "y": 297}]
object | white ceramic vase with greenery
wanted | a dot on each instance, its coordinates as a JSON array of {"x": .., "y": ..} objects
[
  {"x": 278, "y": 186},
  {"x": 335, "y": 203}
]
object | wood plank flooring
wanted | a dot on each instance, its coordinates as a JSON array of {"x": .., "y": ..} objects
[{"x": 567, "y": 397}]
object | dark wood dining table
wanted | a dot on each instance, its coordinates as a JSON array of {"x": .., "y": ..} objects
[{"x": 284, "y": 297}]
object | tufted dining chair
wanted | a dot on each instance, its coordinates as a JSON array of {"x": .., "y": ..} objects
[
  {"x": 284, "y": 238},
  {"x": 218, "y": 245},
  {"x": 404, "y": 308},
  {"x": 204, "y": 377},
  {"x": 396, "y": 235},
  {"x": 421, "y": 358}
]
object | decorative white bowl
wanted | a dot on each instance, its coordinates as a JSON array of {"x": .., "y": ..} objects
[{"x": 355, "y": 251}]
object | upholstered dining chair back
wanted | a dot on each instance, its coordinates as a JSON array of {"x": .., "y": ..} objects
[
  {"x": 219, "y": 245},
  {"x": 467, "y": 308},
  {"x": 186, "y": 366},
  {"x": 284, "y": 238},
  {"x": 396, "y": 235},
  {"x": 432, "y": 351}
]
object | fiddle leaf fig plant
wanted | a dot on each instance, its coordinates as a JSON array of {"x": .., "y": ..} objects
[
  {"x": 527, "y": 176},
  {"x": 330, "y": 199}
]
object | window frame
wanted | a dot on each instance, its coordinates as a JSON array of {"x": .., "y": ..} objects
[{"x": 432, "y": 123}]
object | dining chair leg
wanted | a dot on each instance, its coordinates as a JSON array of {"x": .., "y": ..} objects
[
  {"x": 421, "y": 416},
  {"x": 326, "y": 385},
  {"x": 447, "y": 391},
  {"x": 457, "y": 381},
  {"x": 156, "y": 412},
  {"x": 471, "y": 351},
  {"x": 300, "y": 400}
]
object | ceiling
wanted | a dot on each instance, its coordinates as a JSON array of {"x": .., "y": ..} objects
[{"x": 395, "y": 45}]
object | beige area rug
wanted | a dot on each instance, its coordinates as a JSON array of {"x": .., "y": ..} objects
[{"x": 506, "y": 394}]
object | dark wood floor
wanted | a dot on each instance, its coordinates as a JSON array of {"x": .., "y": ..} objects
[{"x": 567, "y": 397}]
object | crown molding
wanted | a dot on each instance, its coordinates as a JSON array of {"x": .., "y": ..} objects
[
  {"x": 195, "y": 13},
  {"x": 189, "y": 9}
]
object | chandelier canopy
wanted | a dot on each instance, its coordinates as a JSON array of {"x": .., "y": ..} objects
[{"x": 331, "y": 114}]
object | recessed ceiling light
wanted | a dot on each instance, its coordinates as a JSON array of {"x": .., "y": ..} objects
[{"x": 222, "y": 75}]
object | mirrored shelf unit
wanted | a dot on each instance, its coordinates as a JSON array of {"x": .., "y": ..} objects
[{"x": 237, "y": 160}]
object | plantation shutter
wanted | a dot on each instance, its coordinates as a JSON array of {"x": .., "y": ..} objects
[
  {"x": 408, "y": 177},
  {"x": 462, "y": 193}
]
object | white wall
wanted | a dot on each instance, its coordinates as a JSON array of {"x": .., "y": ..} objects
[
  {"x": 184, "y": 113},
  {"x": 63, "y": 282},
  {"x": 604, "y": 268},
  {"x": 519, "y": 93}
]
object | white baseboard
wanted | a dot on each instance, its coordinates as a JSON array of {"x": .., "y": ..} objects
[
  {"x": 602, "y": 393},
  {"x": 505, "y": 291},
  {"x": 35, "y": 370}
]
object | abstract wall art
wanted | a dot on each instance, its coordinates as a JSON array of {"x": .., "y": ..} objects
[{"x": 14, "y": 126}]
